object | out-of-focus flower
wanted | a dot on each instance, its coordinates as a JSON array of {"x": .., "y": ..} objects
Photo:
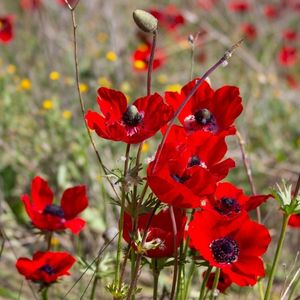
[
  {"x": 160, "y": 237},
  {"x": 48, "y": 104},
  {"x": 249, "y": 30},
  {"x": 67, "y": 114},
  {"x": 207, "y": 4},
  {"x": 63, "y": 2},
  {"x": 111, "y": 56},
  {"x": 145, "y": 147},
  {"x": 223, "y": 283},
  {"x": 48, "y": 216},
  {"x": 54, "y": 75},
  {"x": 239, "y": 6},
  {"x": 291, "y": 81},
  {"x": 45, "y": 267},
  {"x": 25, "y": 84},
  {"x": 30, "y": 4},
  {"x": 141, "y": 56},
  {"x": 6, "y": 29},
  {"x": 104, "y": 81},
  {"x": 169, "y": 17},
  {"x": 233, "y": 245},
  {"x": 294, "y": 221},
  {"x": 162, "y": 78},
  {"x": 290, "y": 35},
  {"x": 83, "y": 87},
  {"x": 271, "y": 11},
  {"x": 287, "y": 56},
  {"x": 173, "y": 87},
  {"x": 11, "y": 69},
  {"x": 128, "y": 123}
]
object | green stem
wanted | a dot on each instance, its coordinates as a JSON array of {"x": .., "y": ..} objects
[
  {"x": 189, "y": 280},
  {"x": 156, "y": 273},
  {"x": 215, "y": 284},
  {"x": 121, "y": 221},
  {"x": 180, "y": 279},
  {"x": 44, "y": 293},
  {"x": 277, "y": 256},
  {"x": 95, "y": 280},
  {"x": 48, "y": 238},
  {"x": 204, "y": 282}
]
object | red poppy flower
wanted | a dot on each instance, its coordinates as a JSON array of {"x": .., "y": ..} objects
[
  {"x": 131, "y": 124},
  {"x": 160, "y": 237},
  {"x": 223, "y": 283},
  {"x": 292, "y": 81},
  {"x": 249, "y": 30},
  {"x": 45, "y": 267},
  {"x": 30, "y": 4},
  {"x": 6, "y": 29},
  {"x": 208, "y": 110},
  {"x": 240, "y": 6},
  {"x": 207, "y": 4},
  {"x": 168, "y": 17},
  {"x": 141, "y": 56},
  {"x": 287, "y": 56},
  {"x": 290, "y": 35},
  {"x": 294, "y": 221},
  {"x": 231, "y": 201},
  {"x": 46, "y": 215},
  {"x": 271, "y": 11},
  {"x": 234, "y": 245}
]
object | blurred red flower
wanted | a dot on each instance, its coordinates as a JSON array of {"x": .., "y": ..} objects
[
  {"x": 287, "y": 56},
  {"x": 160, "y": 237},
  {"x": 234, "y": 245},
  {"x": 131, "y": 124},
  {"x": 223, "y": 283},
  {"x": 271, "y": 11},
  {"x": 6, "y": 29},
  {"x": 290, "y": 35},
  {"x": 63, "y": 2},
  {"x": 249, "y": 30},
  {"x": 294, "y": 220},
  {"x": 207, "y": 4},
  {"x": 208, "y": 110},
  {"x": 141, "y": 56},
  {"x": 240, "y": 6},
  {"x": 45, "y": 267},
  {"x": 169, "y": 17},
  {"x": 291, "y": 81},
  {"x": 48, "y": 216},
  {"x": 30, "y": 4}
]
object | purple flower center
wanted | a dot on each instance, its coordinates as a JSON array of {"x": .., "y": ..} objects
[
  {"x": 204, "y": 116},
  {"x": 47, "y": 269},
  {"x": 225, "y": 250},
  {"x": 179, "y": 179},
  {"x": 54, "y": 210},
  {"x": 227, "y": 206},
  {"x": 131, "y": 116},
  {"x": 194, "y": 161}
]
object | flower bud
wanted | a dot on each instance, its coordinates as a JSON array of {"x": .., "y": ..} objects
[{"x": 144, "y": 20}]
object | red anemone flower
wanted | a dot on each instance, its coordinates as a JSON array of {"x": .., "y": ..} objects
[
  {"x": 292, "y": 81},
  {"x": 287, "y": 56},
  {"x": 160, "y": 237},
  {"x": 45, "y": 267},
  {"x": 207, "y": 4},
  {"x": 230, "y": 201},
  {"x": 131, "y": 124},
  {"x": 290, "y": 35},
  {"x": 271, "y": 11},
  {"x": 63, "y": 2},
  {"x": 6, "y": 29},
  {"x": 30, "y": 4},
  {"x": 239, "y": 6},
  {"x": 233, "y": 245},
  {"x": 294, "y": 220},
  {"x": 208, "y": 110},
  {"x": 223, "y": 283},
  {"x": 141, "y": 56},
  {"x": 48, "y": 216},
  {"x": 168, "y": 17},
  {"x": 249, "y": 30}
]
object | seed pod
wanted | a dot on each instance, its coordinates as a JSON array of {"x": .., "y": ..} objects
[{"x": 144, "y": 20}]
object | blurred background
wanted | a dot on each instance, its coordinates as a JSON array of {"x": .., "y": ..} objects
[{"x": 42, "y": 131}]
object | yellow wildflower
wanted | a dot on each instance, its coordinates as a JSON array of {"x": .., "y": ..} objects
[
  {"x": 145, "y": 147},
  {"x": 11, "y": 69},
  {"x": 139, "y": 64},
  {"x": 125, "y": 87},
  {"x": 54, "y": 241},
  {"x": 83, "y": 87},
  {"x": 162, "y": 78},
  {"x": 104, "y": 82},
  {"x": 111, "y": 56},
  {"x": 25, "y": 84},
  {"x": 48, "y": 104},
  {"x": 102, "y": 37},
  {"x": 54, "y": 75},
  {"x": 173, "y": 87},
  {"x": 67, "y": 114}
]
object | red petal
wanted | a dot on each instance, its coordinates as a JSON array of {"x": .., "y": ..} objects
[{"x": 41, "y": 193}]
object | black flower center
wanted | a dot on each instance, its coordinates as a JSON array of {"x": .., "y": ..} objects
[
  {"x": 203, "y": 116},
  {"x": 227, "y": 206},
  {"x": 225, "y": 250},
  {"x": 194, "y": 161},
  {"x": 47, "y": 269},
  {"x": 131, "y": 116},
  {"x": 180, "y": 179},
  {"x": 54, "y": 210}
]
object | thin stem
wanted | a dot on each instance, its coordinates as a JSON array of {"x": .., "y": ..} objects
[
  {"x": 181, "y": 274},
  {"x": 294, "y": 288},
  {"x": 224, "y": 58},
  {"x": 77, "y": 77},
  {"x": 277, "y": 256},
  {"x": 44, "y": 293},
  {"x": 150, "y": 64},
  {"x": 121, "y": 220},
  {"x": 155, "y": 273},
  {"x": 189, "y": 280},
  {"x": 48, "y": 238},
  {"x": 204, "y": 282},
  {"x": 96, "y": 278},
  {"x": 215, "y": 284}
]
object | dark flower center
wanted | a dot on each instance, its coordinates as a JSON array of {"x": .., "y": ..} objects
[
  {"x": 54, "y": 210},
  {"x": 227, "y": 206},
  {"x": 47, "y": 269},
  {"x": 204, "y": 117},
  {"x": 179, "y": 179},
  {"x": 225, "y": 250},
  {"x": 194, "y": 161},
  {"x": 131, "y": 116}
]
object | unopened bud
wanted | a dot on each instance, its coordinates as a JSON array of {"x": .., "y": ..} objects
[
  {"x": 191, "y": 39},
  {"x": 144, "y": 20}
]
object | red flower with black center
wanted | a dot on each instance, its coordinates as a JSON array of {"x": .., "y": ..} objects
[
  {"x": 131, "y": 124},
  {"x": 294, "y": 220},
  {"x": 271, "y": 11},
  {"x": 45, "y": 267},
  {"x": 48, "y": 216},
  {"x": 6, "y": 29},
  {"x": 233, "y": 245},
  {"x": 30, "y": 4},
  {"x": 141, "y": 56},
  {"x": 208, "y": 110},
  {"x": 160, "y": 237},
  {"x": 223, "y": 283},
  {"x": 239, "y": 6},
  {"x": 230, "y": 201},
  {"x": 169, "y": 17},
  {"x": 287, "y": 56},
  {"x": 249, "y": 30}
]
